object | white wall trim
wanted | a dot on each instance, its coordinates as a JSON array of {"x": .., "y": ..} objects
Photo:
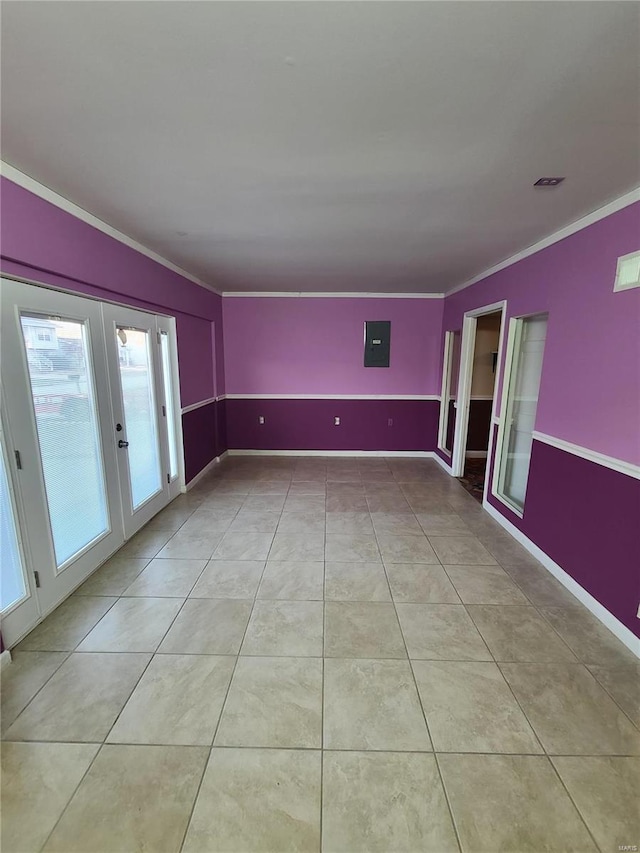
[
  {"x": 400, "y": 454},
  {"x": 591, "y": 455},
  {"x": 206, "y": 470},
  {"x": 202, "y": 403},
  {"x": 584, "y": 222},
  {"x": 44, "y": 192},
  {"x": 332, "y": 397},
  {"x": 443, "y": 464},
  {"x": 5, "y": 659},
  {"x": 608, "y": 619},
  {"x": 298, "y": 294}
]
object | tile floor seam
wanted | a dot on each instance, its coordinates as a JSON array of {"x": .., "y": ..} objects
[
  {"x": 111, "y": 606},
  {"x": 413, "y": 751},
  {"x": 180, "y": 847},
  {"x": 555, "y": 630},
  {"x": 575, "y": 805},
  {"x": 217, "y": 726},
  {"x": 75, "y": 791},
  {"x": 608, "y": 692},
  {"x": 222, "y": 707},
  {"x": 424, "y": 715},
  {"x": 517, "y": 701},
  {"x": 42, "y": 686}
]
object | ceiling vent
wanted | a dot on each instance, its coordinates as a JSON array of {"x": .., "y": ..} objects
[{"x": 548, "y": 182}]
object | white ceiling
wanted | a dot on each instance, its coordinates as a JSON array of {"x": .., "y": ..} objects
[{"x": 325, "y": 146}]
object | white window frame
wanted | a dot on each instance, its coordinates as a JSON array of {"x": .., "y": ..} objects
[
  {"x": 633, "y": 260},
  {"x": 516, "y": 325}
]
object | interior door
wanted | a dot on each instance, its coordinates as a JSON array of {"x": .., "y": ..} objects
[
  {"x": 139, "y": 414},
  {"x": 57, "y": 402}
]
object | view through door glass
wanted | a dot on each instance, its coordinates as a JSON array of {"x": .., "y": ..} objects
[
  {"x": 62, "y": 389},
  {"x": 138, "y": 398}
]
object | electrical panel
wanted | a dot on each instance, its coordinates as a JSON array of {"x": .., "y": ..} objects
[{"x": 377, "y": 342}]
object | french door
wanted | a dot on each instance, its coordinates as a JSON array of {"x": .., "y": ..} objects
[
  {"x": 139, "y": 413},
  {"x": 85, "y": 402}
]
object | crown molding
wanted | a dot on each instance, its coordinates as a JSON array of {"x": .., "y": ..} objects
[
  {"x": 28, "y": 183},
  {"x": 291, "y": 294},
  {"x": 584, "y": 222}
]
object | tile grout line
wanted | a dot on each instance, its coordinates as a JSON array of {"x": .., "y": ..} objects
[
  {"x": 574, "y": 804},
  {"x": 75, "y": 791},
  {"x": 42, "y": 686},
  {"x": 419, "y": 698},
  {"x": 222, "y": 708}
]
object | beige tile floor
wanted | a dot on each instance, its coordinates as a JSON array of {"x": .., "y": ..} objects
[{"x": 321, "y": 654}]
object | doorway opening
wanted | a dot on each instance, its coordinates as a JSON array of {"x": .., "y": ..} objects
[
  {"x": 485, "y": 362},
  {"x": 478, "y": 386}
]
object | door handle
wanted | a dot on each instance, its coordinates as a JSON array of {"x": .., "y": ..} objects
[{"x": 122, "y": 443}]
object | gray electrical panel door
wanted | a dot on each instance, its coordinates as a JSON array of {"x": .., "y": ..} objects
[{"x": 377, "y": 341}]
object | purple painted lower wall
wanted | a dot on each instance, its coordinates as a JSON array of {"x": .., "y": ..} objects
[
  {"x": 585, "y": 517},
  {"x": 204, "y": 436},
  {"x": 309, "y": 424}
]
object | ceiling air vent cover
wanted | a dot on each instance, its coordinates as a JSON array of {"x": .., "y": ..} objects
[{"x": 548, "y": 182}]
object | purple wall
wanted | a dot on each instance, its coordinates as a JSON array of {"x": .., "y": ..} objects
[
  {"x": 306, "y": 345},
  {"x": 308, "y": 424},
  {"x": 41, "y": 242},
  {"x": 591, "y": 374},
  {"x": 585, "y": 517}
]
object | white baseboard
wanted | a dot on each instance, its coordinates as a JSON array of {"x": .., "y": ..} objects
[
  {"x": 443, "y": 464},
  {"x": 204, "y": 472},
  {"x": 475, "y": 454},
  {"x": 608, "y": 619},
  {"x": 401, "y": 454},
  {"x": 5, "y": 659}
]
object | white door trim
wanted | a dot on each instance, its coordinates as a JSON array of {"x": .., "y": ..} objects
[{"x": 469, "y": 325}]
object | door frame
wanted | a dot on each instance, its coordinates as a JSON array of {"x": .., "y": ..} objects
[{"x": 467, "y": 348}]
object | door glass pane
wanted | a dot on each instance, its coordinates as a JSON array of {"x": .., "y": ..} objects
[
  {"x": 452, "y": 390},
  {"x": 12, "y": 586},
  {"x": 168, "y": 396},
  {"x": 521, "y": 407},
  {"x": 138, "y": 398},
  {"x": 64, "y": 402}
]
